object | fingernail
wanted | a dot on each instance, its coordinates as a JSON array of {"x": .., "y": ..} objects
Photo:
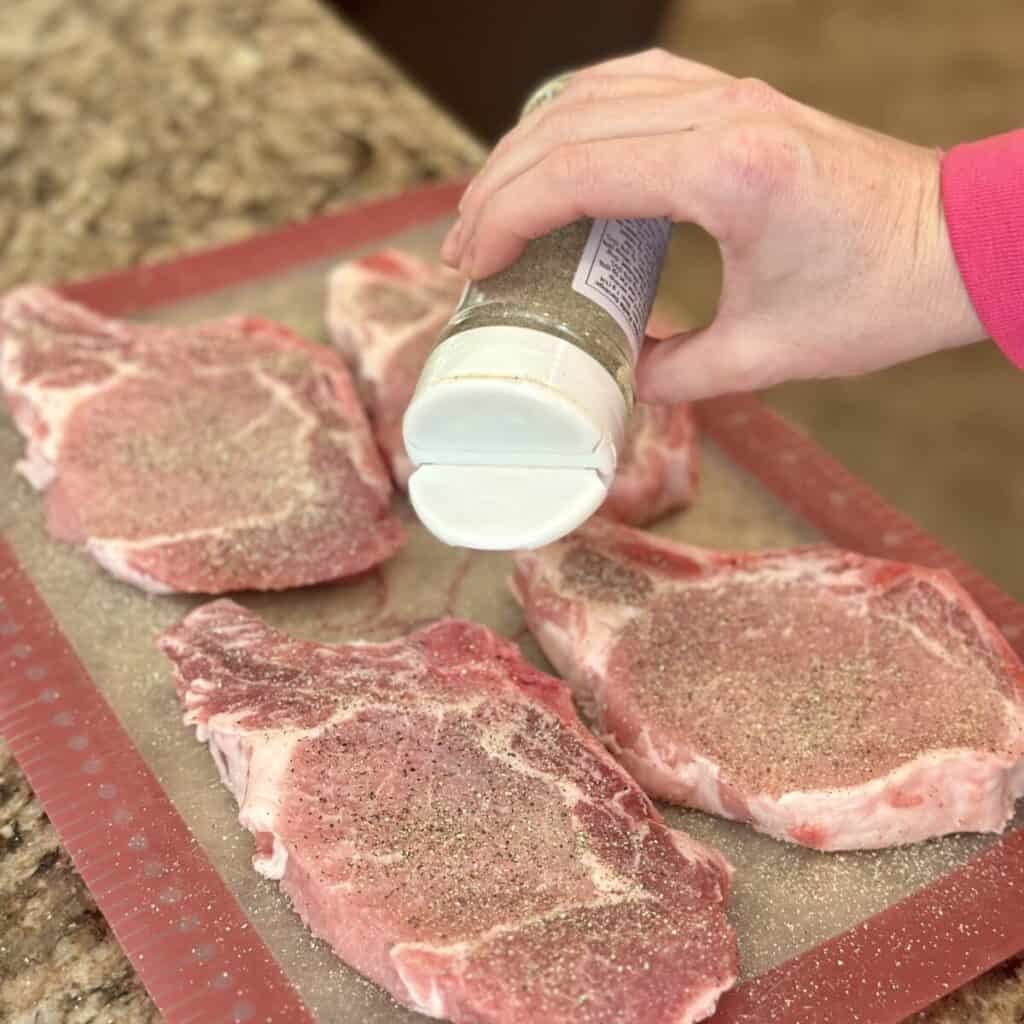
[{"x": 450, "y": 245}]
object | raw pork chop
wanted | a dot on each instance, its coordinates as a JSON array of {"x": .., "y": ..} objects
[
  {"x": 385, "y": 313},
  {"x": 829, "y": 699},
  {"x": 436, "y": 812},
  {"x": 224, "y": 456}
]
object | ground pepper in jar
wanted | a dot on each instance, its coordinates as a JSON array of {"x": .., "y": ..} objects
[
  {"x": 590, "y": 282},
  {"x": 520, "y": 412}
]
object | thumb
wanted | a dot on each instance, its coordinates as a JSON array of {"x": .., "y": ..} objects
[{"x": 699, "y": 363}]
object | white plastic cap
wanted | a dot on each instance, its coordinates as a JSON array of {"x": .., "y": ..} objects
[{"x": 515, "y": 435}]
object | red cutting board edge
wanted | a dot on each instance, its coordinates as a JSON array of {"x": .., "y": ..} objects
[{"x": 193, "y": 947}]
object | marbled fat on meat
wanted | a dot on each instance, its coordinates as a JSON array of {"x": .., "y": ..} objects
[
  {"x": 438, "y": 814},
  {"x": 385, "y": 313},
  {"x": 829, "y": 699},
  {"x": 222, "y": 456}
]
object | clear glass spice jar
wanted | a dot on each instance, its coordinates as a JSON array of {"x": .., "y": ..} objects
[{"x": 520, "y": 411}]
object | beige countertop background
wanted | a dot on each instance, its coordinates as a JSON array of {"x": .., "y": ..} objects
[{"x": 132, "y": 132}]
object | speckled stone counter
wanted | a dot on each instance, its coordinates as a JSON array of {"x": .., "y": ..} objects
[{"x": 131, "y": 132}]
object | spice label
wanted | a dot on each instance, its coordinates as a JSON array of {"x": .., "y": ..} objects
[{"x": 619, "y": 268}]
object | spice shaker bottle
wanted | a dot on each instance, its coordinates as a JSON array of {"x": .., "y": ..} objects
[{"x": 520, "y": 412}]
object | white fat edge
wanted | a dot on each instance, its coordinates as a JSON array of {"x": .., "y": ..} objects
[
  {"x": 35, "y": 468},
  {"x": 266, "y": 777},
  {"x": 53, "y": 405},
  {"x": 642, "y": 825},
  {"x": 238, "y": 632},
  {"x": 112, "y": 555},
  {"x": 235, "y": 768},
  {"x": 423, "y": 995},
  {"x": 345, "y": 314},
  {"x": 581, "y": 650},
  {"x": 374, "y": 344},
  {"x": 697, "y": 853},
  {"x": 983, "y": 804},
  {"x": 376, "y": 357},
  {"x": 964, "y": 791},
  {"x": 233, "y": 761},
  {"x": 401, "y": 468},
  {"x": 274, "y": 866},
  {"x": 701, "y": 1004}
]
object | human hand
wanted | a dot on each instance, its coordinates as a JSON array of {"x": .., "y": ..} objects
[{"x": 836, "y": 259}]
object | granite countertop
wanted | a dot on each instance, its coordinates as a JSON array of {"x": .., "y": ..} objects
[{"x": 132, "y": 132}]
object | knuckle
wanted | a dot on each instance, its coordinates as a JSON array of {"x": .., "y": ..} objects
[
  {"x": 751, "y": 94},
  {"x": 658, "y": 57},
  {"x": 759, "y": 159},
  {"x": 573, "y": 167},
  {"x": 583, "y": 88},
  {"x": 574, "y": 178}
]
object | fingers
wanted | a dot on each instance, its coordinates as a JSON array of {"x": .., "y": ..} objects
[
  {"x": 581, "y": 89},
  {"x": 653, "y": 62},
  {"x": 736, "y": 121},
  {"x": 670, "y": 175},
  {"x": 576, "y": 96},
  {"x": 569, "y": 124},
  {"x": 648, "y": 74},
  {"x": 714, "y": 360}
]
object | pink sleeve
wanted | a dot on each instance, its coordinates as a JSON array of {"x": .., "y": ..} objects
[{"x": 983, "y": 196}]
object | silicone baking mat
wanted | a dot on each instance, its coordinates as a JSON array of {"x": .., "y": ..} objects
[{"x": 88, "y": 708}]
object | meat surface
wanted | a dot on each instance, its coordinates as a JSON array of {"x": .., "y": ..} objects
[
  {"x": 223, "y": 456},
  {"x": 829, "y": 699},
  {"x": 437, "y": 813},
  {"x": 385, "y": 313}
]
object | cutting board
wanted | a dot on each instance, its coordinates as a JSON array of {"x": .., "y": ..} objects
[{"x": 88, "y": 708}]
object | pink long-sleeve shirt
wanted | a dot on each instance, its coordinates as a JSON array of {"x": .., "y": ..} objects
[{"x": 983, "y": 197}]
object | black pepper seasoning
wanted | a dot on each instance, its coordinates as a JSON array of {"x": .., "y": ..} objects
[{"x": 519, "y": 416}]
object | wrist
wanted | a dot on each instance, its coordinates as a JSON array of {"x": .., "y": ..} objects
[{"x": 947, "y": 302}]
